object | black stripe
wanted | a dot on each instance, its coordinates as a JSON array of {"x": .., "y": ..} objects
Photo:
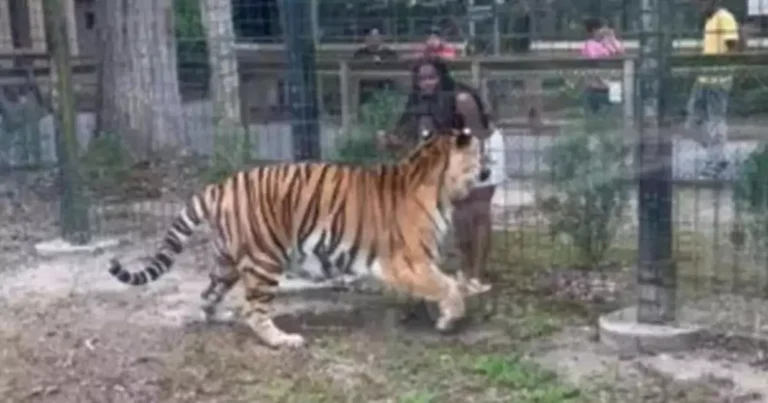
[
  {"x": 256, "y": 206},
  {"x": 264, "y": 279},
  {"x": 428, "y": 250},
  {"x": 164, "y": 259},
  {"x": 312, "y": 213},
  {"x": 373, "y": 253},
  {"x": 219, "y": 204},
  {"x": 181, "y": 226},
  {"x": 174, "y": 243},
  {"x": 270, "y": 216},
  {"x": 192, "y": 211},
  {"x": 124, "y": 275},
  {"x": 153, "y": 273},
  {"x": 139, "y": 278},
  {"x": 259, "y": 296},
  {"x": 236, "y": 182}
]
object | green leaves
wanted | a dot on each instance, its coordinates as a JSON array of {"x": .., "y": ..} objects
[{"x": 589, "y": 198}]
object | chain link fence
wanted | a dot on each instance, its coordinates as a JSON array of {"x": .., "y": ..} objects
[
  {"x": 538, "y": 102},
  {"x": 131, "y": 150}
]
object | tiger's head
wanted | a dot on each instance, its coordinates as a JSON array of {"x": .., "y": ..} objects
[{"x": 452, "y": 161}]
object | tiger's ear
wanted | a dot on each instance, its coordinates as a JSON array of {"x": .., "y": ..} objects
[{"x": 463, "y": 138}]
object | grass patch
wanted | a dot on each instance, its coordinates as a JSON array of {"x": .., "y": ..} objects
[
  {"x": 527, "y": 250},
  {"x": 358, "y": 366}
]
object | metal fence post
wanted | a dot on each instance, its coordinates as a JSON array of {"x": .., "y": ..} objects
[
  {"x": 656, "y": 274},
  {"x": 302, "y": 78},
  {"x": 73, "y": 208},
  {"x": 628, "y": 84}
]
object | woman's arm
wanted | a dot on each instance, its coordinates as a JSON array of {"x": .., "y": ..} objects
[
  {"x": 470, "y": 112},
  {"x": 402, "y": 136}
]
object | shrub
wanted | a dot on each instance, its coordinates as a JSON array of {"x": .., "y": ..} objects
[
  {"x": 231, "y": 153},
  {"x": 589, "y": 200},
  {"x": 105, "y": 164},
  {"x": 750, "y": 193},
  {"x": 379, "y": 113}
]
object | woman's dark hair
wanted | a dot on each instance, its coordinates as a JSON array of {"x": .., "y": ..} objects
[
  {"x": 441, "y": 107},
  {"x": 592, "y": 24}
]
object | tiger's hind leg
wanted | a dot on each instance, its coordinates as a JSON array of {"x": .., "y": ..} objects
[
  {"x": 222, "y": 280},
  {"x": 261, "y": 282}
]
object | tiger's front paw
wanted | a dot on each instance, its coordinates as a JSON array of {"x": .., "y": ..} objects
[{"x": 289, "y": 340}]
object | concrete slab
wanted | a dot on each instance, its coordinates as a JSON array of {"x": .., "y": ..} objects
[
  {"x": 620, "y": 331},
  {"x": 60, "y": 247}
]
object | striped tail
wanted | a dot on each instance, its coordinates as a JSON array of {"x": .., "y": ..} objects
[{"x": 173, "y": 244}]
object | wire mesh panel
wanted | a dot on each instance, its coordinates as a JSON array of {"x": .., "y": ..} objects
[{"x": 114, "y": 113}]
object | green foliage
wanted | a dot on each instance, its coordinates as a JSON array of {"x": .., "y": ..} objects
[
  {"x": 749, "y": 96},
  {"x": 530, "y": 382},
  {"x": 750, "y": 193},
  {"x": 589, "y": 200},
  {"x": 191, "y": 46},
  {"x": 106, "y": 163},
  {"x": 381, "y": 112},
  {"x": 231, "y": 153},
  {"x": 188, "y": 22}
]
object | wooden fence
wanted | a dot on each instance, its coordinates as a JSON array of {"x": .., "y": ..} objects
[{"x": 260, "y": 72}]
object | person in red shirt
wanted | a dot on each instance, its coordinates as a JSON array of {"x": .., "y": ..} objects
[{"x": 436, "y": 46}]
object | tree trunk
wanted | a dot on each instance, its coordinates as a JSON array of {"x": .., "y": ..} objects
[
  {"x": 225, "y": 80},
  {"x": 139, "y": 90},
  {"x": 231, "y": 143},
  {"x": 73, "y": 208}
]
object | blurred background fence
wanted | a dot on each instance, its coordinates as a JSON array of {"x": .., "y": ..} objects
[{"x": 191, "y": 90}]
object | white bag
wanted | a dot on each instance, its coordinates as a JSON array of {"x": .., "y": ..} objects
[
  {"x": 495, "y": 155},
  {"x": 614, "y": 91}
]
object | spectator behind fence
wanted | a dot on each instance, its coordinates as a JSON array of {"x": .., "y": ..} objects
[
  {"x": 708, "y": 102},
  {"x": 600, "y": 92},
  {"x": 375, "y": 50},
  {"x": 437, "y": 102},
  {"x": 436, "y": 46}
]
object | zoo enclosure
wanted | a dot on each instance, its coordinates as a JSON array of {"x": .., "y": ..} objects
[{"x": 708, "y": 223}]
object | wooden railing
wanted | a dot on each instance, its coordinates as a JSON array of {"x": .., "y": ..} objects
[
  {"x": 349, "y": 73},
  {"x": 479, "y": 71}
]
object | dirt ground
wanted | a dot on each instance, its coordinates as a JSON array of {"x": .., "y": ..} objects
[{"x": 71, "y": 333}]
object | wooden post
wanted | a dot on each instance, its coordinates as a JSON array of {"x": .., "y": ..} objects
[
  {"x": 315, "y": 21},
  {"x": 71, "y": 18},
  {"x": 6, "y": 40},
  {"x": 479, "y": 82},
  {"x": 73, "y": 207},
  {"x": 533, "y": 103},
  {"x": 476, "y": 74},
  {"x": 37, "y": 25},
  {"x": 628, "y": 94}
]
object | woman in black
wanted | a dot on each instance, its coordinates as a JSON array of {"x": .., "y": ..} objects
[{"x": 438, "y": 103}]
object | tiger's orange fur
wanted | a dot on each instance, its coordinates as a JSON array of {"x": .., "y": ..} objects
[{"x": 384, "y": 221}]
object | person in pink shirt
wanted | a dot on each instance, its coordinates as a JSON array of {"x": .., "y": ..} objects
[{"x": 602, "y": 42}]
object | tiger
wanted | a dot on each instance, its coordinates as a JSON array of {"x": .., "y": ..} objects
[{"x": 384, "y": 221}]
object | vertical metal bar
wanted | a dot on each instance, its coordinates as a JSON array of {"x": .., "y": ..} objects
[
  {"x": 302, "y": 77},
  {"x": 315, "y": 20},
  {"x": 73, "y": 208},
  {"x": 472, "y": 23},
  {"x": 628, "y": 87},
  {"x": 496, "y": 30},
  {"x": 344, "y": 88},
  {"x": 657, "y": 277}
]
